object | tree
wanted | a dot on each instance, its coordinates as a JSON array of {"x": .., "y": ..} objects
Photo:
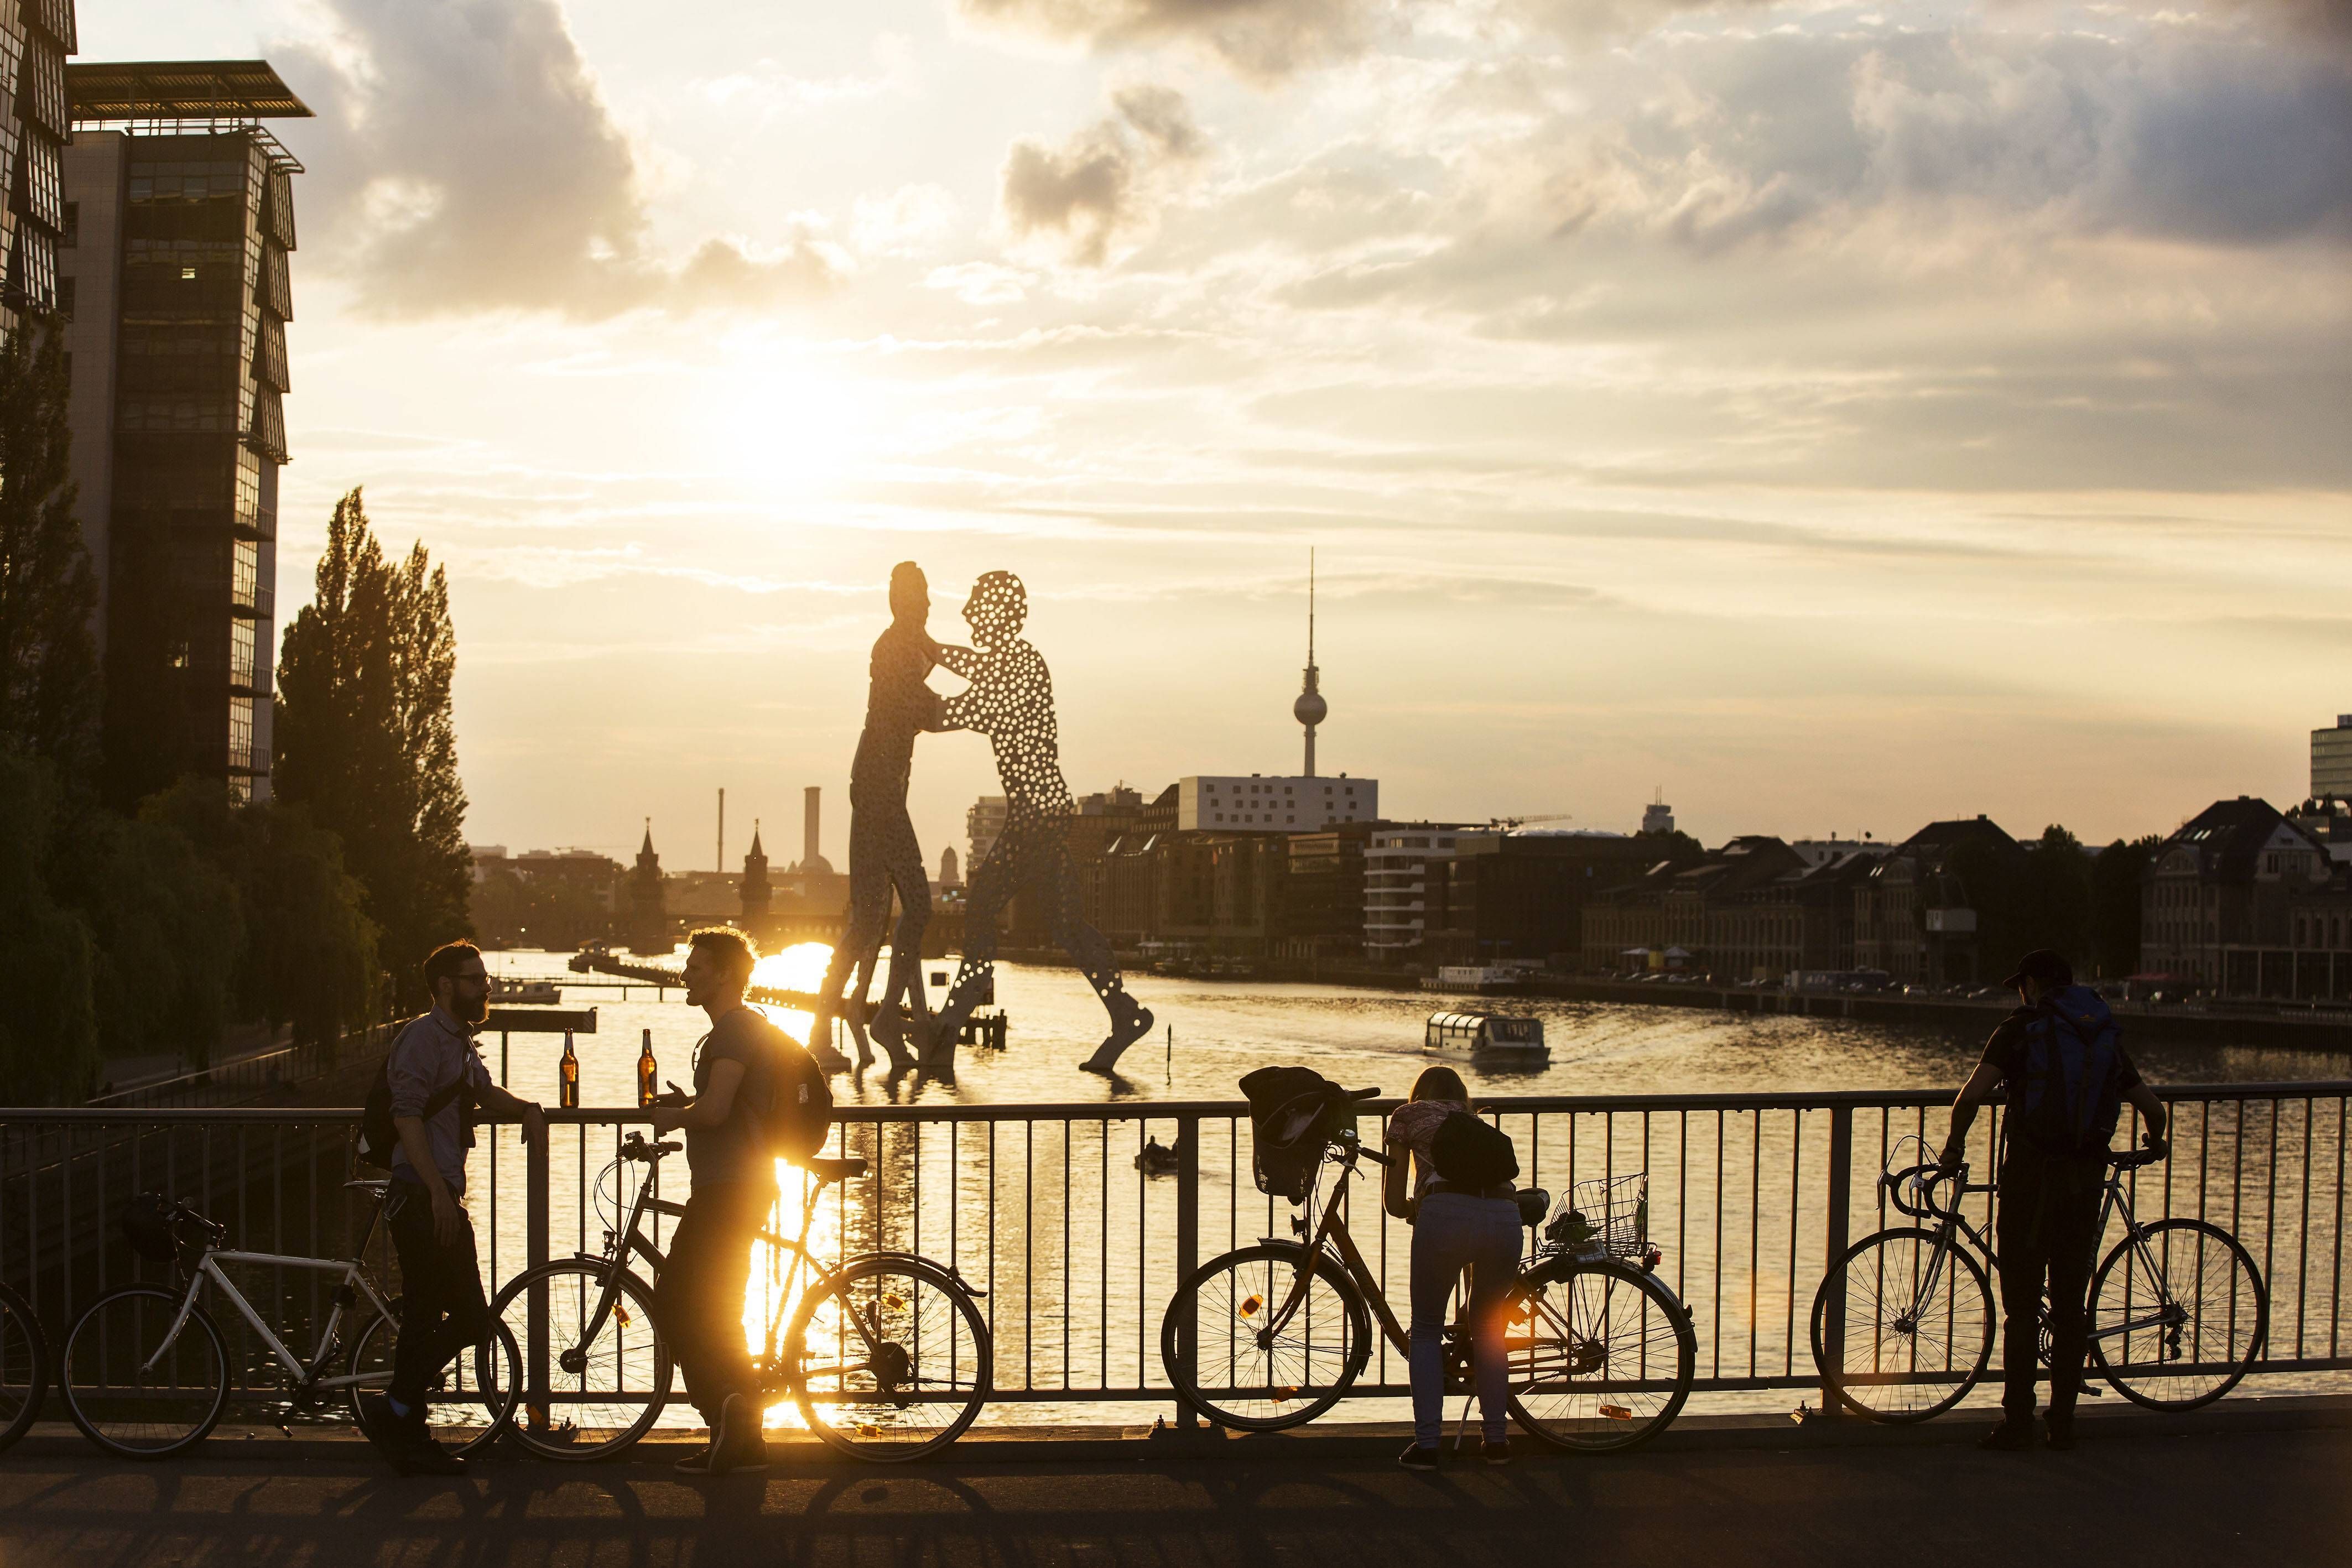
[
  {"x": 310, "y": 953},
  {"x": 2116, "y": 905},
  {"x": 366, "y": 741},
  {"x": 49, "y": 662},
  {"x": 49, "y": 1027}
]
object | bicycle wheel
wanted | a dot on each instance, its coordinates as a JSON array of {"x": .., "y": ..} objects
[
  {"x": 1246, "y": 1374},
  {"x": 2178, "y": 1314},
  {"x": 130, "y": 1393},
  {"x": 889, "y": 1360},
  {"x": 1602, "y": 1354},
  {"x": 467, "y": 1405},
  {"x": 24, "y": 1367},
  {"x": 604, "y": 1389},
  {"x": 1911, "y": 1349}
]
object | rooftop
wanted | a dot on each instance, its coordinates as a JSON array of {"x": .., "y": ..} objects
[{"x": 238, "y": 90}]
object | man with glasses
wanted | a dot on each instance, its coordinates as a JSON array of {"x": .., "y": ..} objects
[{"x": 438, "y": 1080}]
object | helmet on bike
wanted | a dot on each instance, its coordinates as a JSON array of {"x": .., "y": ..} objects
[{"x": 147, "y": 1225}]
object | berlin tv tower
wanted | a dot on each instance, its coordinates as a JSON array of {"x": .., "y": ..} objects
[{"x": 1310, "y": 708}]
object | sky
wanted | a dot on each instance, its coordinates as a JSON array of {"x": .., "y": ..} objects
[{"x": 1833, "y": 417}]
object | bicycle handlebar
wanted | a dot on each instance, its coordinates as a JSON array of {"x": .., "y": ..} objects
[
  {"x": 634, "y": 1147},
  {"x": 1922, "y": 1180}
]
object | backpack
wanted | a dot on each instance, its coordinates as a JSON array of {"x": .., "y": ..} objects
[
  {"x": 378, "y": 1138},
  {"x": 790, "y": 1097},
  {"x": 2068, "y": 1093},
  {"x": 1472, "y": 1155},
  {"x": 1289, "y": 1127}
]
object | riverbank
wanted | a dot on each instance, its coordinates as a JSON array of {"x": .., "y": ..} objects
[{"x": 2293, "y": 1029}]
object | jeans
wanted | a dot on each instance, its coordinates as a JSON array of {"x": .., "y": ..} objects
[
  {"x": 1454, "y": 1231},
  {"x": 442, "y": 1310},
  {"x": 698, "y": 1295},
  {"x": 2048, "y": 1228}
]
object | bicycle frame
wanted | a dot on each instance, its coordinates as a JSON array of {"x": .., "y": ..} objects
[
  {"x": 2113, "y": 1200},
  {"x": 208, "y": 1269}
]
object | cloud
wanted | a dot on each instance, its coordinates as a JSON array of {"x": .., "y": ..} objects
[
  {"x": 1103, "y": 186},
  {"x": 1260, "y": 40},
  {"x": 908, "y": 221},
  {"x": 465, "y": 161}
]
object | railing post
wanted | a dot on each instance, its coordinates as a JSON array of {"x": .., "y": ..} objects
[
  {"x": 535, "y": 1209},
  {"x": 1188, "y": 1251},
  {"x": 1840, "y": 1198}
]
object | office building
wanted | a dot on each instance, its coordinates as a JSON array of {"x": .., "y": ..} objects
[
  {"x": 984, "y": 823},
  {"x": 1519, "y": 894},
  {"x": 2331, "y": 760},
  {"x": 179, "y": 220},
  {"x": 1230, "y": 803},
  {"x": 1396, "y": 884},
  {"x": 35, "y": 119}
]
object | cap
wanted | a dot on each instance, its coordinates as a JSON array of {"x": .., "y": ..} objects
[{"x": 2041, "y": 963}]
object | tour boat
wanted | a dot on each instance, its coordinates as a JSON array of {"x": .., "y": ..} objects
[{"x": 1493, "y": 1037}]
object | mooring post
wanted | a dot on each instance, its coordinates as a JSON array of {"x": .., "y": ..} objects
[{"x": 1840, "y": 1198}]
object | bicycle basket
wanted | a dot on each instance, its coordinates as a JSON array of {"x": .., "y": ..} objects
[
  {"x": 1608, "y": 1216},
  {"x": 1290, "y": 1126},
  {"x": 147, "y": 1227}
]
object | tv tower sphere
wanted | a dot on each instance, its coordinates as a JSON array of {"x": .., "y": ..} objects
[{"x": 1310, "y": 708}]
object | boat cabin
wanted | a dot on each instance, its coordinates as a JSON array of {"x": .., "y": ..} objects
[{"x": 1469, "y": 1033}]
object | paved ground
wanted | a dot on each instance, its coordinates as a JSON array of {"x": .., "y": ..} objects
[{"x": 2266, "y": 1483}]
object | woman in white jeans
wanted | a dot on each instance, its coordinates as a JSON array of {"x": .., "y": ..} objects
[{"x": 1452, "y": 1229}]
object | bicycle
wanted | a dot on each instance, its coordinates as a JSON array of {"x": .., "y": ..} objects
[
  {"x": 1601, "y": 1351},
  {"x": 24, "y": 1367},
  {"x": 1916, "y": 1331},
  {"x": 887, "y": 1354},
  {"x": 145, "y": 1371}
]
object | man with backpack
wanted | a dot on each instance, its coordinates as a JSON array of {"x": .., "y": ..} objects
[
  {"x": 419, "y": 1123},
  {"x": 2061, "y": 1055},
  {"x": 736, "y": 1122}
]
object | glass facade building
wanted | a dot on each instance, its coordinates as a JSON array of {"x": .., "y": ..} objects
[
  {"x": 183, "y": 206},
  {"x": 36, "y": 37}
]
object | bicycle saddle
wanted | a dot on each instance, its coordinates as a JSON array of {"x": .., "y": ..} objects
[{"x": 835, "y": 1170}]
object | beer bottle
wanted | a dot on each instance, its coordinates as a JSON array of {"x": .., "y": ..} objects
[
  {"x": 567, "y": 1072},
  {"x": 646, "y": 1072}
]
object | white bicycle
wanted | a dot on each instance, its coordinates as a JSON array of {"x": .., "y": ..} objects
[{"x": 145, "y": 1371}]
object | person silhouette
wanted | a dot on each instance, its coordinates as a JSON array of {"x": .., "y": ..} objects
[
  {"x": 884, "y": 855},
  {"x": 1010, "y": 701}
]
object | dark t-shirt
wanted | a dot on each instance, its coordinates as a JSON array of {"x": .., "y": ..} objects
[
  {"x": 2005, "y": 1053},
  {"x": 735, "y": 1150}
]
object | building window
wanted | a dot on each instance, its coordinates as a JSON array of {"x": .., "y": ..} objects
[
  {"x": 240, "y": 733},
  {"x": 66, "y": 298},
  {"x": 245, "y": 572},
  {"x": 72, "y": 225},
  {"x": 240, "y": 653}
]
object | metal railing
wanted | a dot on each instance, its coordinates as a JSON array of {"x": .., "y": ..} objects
[
  {"x": 1079, "y": 1235},
  {"x": 247, "y": 1077}
]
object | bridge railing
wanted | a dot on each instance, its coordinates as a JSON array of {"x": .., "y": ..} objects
[{"x": 1078, "y": 1220}]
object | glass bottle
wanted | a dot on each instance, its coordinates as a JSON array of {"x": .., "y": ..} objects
[
  {"x": 647, "y": 1074},
  {"x": 567, "y": 1072}
]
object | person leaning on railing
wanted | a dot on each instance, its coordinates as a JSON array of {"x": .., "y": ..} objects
[
  {"x": 2068, "y": 1080},
  {"x": 442, "y": 1310},
  {"x": 1457, "y": 1225}
]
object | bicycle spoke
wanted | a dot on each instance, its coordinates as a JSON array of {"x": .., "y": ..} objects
[{"x": 892, "y": 1361}]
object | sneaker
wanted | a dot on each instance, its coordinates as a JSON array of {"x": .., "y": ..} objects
[
  {"x": 1495, "y": 1451},
  {"x": 2059, "y": 1435},
  {"x": 382, "y": 1429},
  {"x": 1417, "y": 1457},
  {"x": 2009, "y": 1437},
  {"x": 697, "y": 1463},
  {"x": 428, "y": 1458}
]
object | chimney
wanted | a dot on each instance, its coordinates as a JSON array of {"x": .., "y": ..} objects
[{"x": 809, "y": 831}]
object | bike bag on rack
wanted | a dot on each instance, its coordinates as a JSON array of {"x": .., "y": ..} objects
[{"x": 1294, "y": 1110}]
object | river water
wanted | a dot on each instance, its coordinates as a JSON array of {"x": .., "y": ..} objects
[{"x": 1075, "y": 1243}]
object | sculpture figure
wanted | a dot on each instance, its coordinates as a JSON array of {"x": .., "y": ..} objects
[
  {"x": 1010, "y": 701},
  {"x": 884, "y": 855}
]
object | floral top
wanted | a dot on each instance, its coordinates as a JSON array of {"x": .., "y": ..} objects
[{"x": 1413, "y": 1125}]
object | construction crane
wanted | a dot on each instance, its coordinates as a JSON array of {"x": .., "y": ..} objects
[{"x": 1510, "y": 823}]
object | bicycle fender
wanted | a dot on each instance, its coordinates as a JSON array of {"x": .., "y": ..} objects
[{"x": 894, "y": 1256}]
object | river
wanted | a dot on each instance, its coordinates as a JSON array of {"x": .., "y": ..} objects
[{"x": 1076, "y": 1246}]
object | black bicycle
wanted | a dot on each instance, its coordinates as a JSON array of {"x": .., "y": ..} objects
[
  {"x": 24, "y": 1367},
  {"x": 2178, "y": 1310},
  {"x": 887, "y": 1354},
  {"x": 1601, "y": 1352}
]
